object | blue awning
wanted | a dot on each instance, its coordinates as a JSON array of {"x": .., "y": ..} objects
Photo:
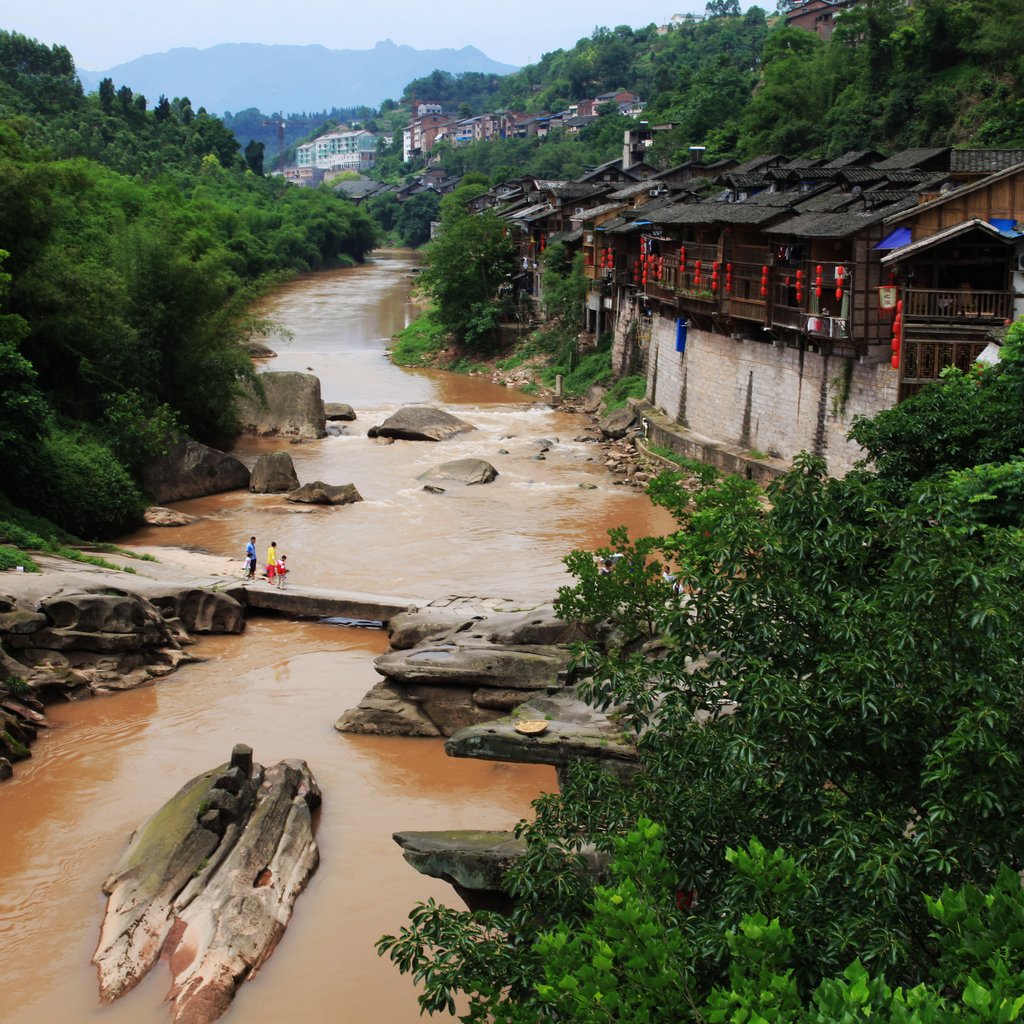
[
  {"x": 898, "y": 238},
  {"x": 1005, "y": 225}
]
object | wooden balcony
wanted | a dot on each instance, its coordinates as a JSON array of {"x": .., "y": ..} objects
[{"x": 953, "y": 305}]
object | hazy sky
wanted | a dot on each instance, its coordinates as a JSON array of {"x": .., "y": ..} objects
[{"x": 101, "y": 35}]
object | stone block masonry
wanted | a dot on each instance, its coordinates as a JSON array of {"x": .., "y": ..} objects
[{"x": 763, "y": 397}]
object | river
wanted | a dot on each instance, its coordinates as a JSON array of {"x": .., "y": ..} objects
[{"x": 108, "y": 763}]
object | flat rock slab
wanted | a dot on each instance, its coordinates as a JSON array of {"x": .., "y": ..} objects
[
  {"x": 536, "y": 626},
  {"x": 471, "y": 859},
  {"x": 476, "y": 663},
  {"x": 575, "y": 732},
  {"x": 209, "y": 883}
]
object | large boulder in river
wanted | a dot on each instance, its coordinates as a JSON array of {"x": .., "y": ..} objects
[
  {"x": 273, "y": 473},
  {"x": 208, "y": 884},
  {"x": 157, "y": 515},
  {"x": 319, "y": 493},
  {"x": 422, "y": 423},
  {"x": 291, "y": 406},
  {"x": 192, "y": 470},
  {"x": 618, "y": 423},
  {"x": 339, "y": 411},
  {"x": 462, "y": 471}
]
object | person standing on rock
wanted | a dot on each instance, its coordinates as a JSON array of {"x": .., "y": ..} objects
[
  {"x": 250, "y": 559},
  {"x": 282, "y": 571},
  {"x": 272, "y": 562}
]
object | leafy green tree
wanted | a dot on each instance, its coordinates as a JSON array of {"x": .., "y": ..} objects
[
  {"x": 469, "y": 266},
  {"x": 106, "y": 94},
  {"x": 254, "y": 157},
  {"x": 415, "y": 216}
]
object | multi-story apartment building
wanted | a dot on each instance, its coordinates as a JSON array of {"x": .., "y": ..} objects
[{"x": 339, "y": 151}]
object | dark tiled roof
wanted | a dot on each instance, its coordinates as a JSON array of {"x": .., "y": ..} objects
[
  {"x": 638, "y": 188},
  {"x": 566, "y": 236},
  {"x": 577, "y": 190},
  {"x": 910, "y": 177},
  {"x": 910, "y": 158},
  {"x": 531, "y": 213},
  {"x": 853, "y": 157},
  {"x": 983, "y": 161},
  {"x": 716, "y": 213},
  {"x": 836, "y": 225},
  {"x": 825, "y": 202},
  {"x": 598, "y": 211},
  {"x": 820, "y": 174},
  {"x": 874, "y": 196},
  {"x": 758, "y": 163},
  {"x": 746, "y": 180},
  {"x": 861, "y": 175}
]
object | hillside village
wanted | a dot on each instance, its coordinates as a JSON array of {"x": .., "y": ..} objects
[
  {"x": 767, "y": 302},
  {"x": 799, "y": 294}
]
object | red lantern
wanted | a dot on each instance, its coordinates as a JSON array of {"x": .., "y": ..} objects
[
  {"x": 896, "y": 344},
  {"x": 895, "y": 361}
]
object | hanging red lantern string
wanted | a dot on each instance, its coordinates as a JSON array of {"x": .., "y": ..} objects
[
  {"x": 840, "y": 279},
  {"x": 714, "y": 276},
  {"x": 897, "y": 335},
  {"x": 728, "y": 278},
  {"x": 696, "y": 273},
  {"x": 764, "y": 282}
]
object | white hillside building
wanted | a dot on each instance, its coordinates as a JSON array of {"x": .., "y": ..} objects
[{"x": 339, "y": 151}]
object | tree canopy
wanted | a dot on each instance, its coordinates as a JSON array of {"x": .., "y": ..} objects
[{"x": 832, "y": 708}]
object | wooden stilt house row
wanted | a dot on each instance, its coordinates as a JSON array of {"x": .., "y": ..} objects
[
  {"x": 550, "y": 215},
  {"x": 954, "y": 264},
  {"x": 606, "y": 252}
]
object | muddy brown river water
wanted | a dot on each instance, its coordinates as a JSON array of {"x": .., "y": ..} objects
[{"x": 109, "y": 763}]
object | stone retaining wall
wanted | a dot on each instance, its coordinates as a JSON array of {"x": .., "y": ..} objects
[{"x": 765, "y": 397}]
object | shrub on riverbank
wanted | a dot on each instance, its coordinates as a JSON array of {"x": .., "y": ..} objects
[{"x": 419, "y": 344}]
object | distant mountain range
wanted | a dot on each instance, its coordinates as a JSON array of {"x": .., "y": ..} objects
[{"x": 290, "y": 79}]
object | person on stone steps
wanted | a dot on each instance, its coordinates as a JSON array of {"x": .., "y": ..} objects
[
  {"x": 272, "y": 562},
  {"x": 250, "y": 559}
]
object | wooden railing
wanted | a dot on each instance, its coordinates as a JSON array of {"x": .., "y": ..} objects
[{"x": 957, "y": 304}]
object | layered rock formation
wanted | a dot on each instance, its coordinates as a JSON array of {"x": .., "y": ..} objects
[
  {"x": 71, "y": 640},
  {"x": 209, "y": 883}
]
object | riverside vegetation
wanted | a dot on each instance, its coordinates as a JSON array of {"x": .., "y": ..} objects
[
  {"x": 133, "y": 241},
  {"x": 828, "y": 823}
]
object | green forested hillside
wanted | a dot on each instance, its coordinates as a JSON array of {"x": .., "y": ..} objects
[
  {"x": 894, "y": 75},
  {"x": 132, "y": 241}
]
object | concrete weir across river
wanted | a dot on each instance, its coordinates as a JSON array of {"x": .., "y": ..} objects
[{"x": 105, "y": 765}]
